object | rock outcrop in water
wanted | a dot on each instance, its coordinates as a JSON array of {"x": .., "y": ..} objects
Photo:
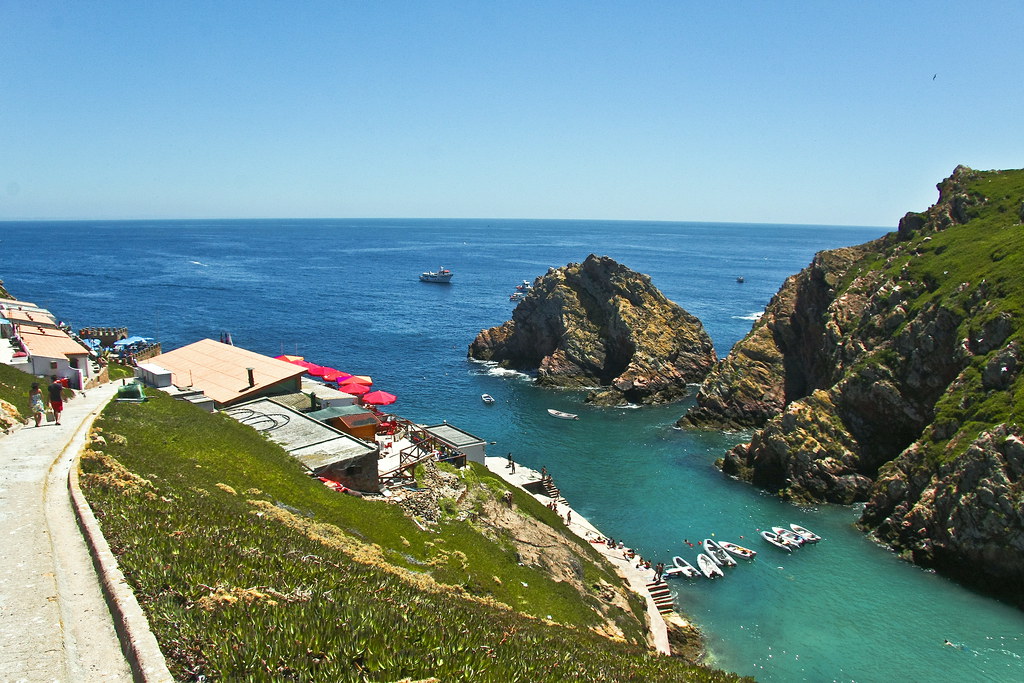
[
  {"x": 600, "y": 324},
  {"x": 890, "y": 373}
]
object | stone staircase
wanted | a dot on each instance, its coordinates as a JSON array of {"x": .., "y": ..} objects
[
  {"x": 551, "y": 490},
  {"x": 662, "y": 596}
]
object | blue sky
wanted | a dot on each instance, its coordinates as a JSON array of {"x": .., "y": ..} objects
[{"x": 792, "y": 112}]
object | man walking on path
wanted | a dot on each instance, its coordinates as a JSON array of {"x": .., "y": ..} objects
[
  {"x": 56, "y": 398},
  {"x": 511, "y": 463}
]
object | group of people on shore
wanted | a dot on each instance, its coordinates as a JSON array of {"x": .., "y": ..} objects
[{"x": 37, "y": 406}]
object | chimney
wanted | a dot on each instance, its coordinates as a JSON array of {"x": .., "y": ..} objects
[{"x": 252, "y": 378}]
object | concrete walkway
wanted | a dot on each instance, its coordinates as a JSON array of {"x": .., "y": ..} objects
[
  {"x": 54, "y": 622},
  {"x": 637, "y": 579}
]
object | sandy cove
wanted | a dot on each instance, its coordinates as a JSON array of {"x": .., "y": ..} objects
[{"x": 637, "y": 579}]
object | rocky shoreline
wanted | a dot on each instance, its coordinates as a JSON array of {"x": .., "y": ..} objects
[{"x": 671, "y": 634}]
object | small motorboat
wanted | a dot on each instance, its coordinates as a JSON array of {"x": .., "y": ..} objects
[
  {"x": 516, "y": 296},
  {"x": 718, "y": 554},
  {"x": 487, "y": 398},
  {"x": 708, "y": 567},
  {"x": 806, "y": 534},
  {"x": 684, "y": 568},
  {"x": 524, "y": 286},
  {"x": 564, "y": 416},
  {"x": 738, "y": 550},
  {"x": 740, "y": 279},
  {"x": 776, "y": 541},
  {"x": 442, "y": 275},
  {"x": 788, "y": 536}
]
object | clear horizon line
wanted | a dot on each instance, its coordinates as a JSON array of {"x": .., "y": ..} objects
[{"x": 440, "y": 218}]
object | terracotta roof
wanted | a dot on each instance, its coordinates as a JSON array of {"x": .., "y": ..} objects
[
  {"x": 49, "y": 343},
  {"x": 20, "y": 317},
  {"x": 15, "y": 302},
  {"x": 221, "y": 370}
]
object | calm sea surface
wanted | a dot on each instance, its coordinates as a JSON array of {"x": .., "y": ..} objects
[{"x": 345, "y": 293}]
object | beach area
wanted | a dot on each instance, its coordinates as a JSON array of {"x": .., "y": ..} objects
[{"x": 637, "y": 578}]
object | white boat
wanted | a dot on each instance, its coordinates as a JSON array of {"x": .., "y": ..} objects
[
  {"x": 560, "y": 414},
  {"x": 708, "y": 567},
  {"x": 487, "y": 398},
  {"x": 776, "y": 541},
  {"x": 718, "y": 554},
  {"x": 788, "y": 536},
  {"x": 525, "y": 286},
  {"x": 685, "y": 568},
  {"x": 738, "y": 550},
  {"x": 806, "y": 534},
  {"x": 516, "y": 296},
  {"x": 441, "y": 275}
]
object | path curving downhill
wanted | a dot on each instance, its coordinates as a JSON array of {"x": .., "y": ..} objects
[{"x": 54, "y": 622}]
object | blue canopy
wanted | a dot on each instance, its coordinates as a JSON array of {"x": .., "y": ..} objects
[{"x": 132, "y": 340}]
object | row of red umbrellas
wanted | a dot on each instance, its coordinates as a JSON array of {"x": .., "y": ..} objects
[{"x": 357, "y": 385}]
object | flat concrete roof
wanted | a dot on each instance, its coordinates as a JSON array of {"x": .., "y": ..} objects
[
  {"x": 451, "y": 434},
  {"x": 337, "y": 411},
  {"x": 322, "y": 390},
  {"x": 298, "y": 433}
]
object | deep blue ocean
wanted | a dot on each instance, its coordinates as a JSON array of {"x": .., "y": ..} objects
[{"x": 345, "y": 293}]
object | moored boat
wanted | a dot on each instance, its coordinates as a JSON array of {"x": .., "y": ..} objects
[
  {"x": 560, "y": 414},
  {"x": 788, "y": 536},
  {"x": 806, "y": 534},
  {"x": 777, "y": 541},
  {"x": 487, "y": 398},
  {"x": 718, "y": 554},
  {"x": 685, "y": 568},
  {"x": 708, "y": 567},
  {"x": 442, "y": 275},
  {"x": 738, "y": 550}
]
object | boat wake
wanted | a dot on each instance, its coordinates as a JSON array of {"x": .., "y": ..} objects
[
  {"x": 749, "y": 316},
  {"x": 494, "y": 370}
]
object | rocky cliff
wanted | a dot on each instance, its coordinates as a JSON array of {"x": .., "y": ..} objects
[
  {"x": 890, "y": 373},
  {"x": 600, "y": 324}
]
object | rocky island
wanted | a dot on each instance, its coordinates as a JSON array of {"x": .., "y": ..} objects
[
  {"x": 889, "y": 373},
  {"x": 600, "y": 325}
]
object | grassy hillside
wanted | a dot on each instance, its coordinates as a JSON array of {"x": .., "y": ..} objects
[
  {"x": 14, "y": 387},
  {"x": 248, "y": 569},
  {"x": 974, "y": 269}
]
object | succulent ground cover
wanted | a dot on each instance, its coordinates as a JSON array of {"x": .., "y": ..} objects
[{"x": 250, "y": 570}]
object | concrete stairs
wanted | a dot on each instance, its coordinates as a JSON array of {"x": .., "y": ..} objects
[
  {"x": 549, "y": 488},
  {"x": 662, "y": 596}
]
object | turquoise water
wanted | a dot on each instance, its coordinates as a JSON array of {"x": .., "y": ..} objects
[{"x": 345, "y": 294}]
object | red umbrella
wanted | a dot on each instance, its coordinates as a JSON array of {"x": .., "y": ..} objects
[
  {"x": 333, "y": 375},
  {"x": 290, "y": 359},
  {"x": 354, "y": 388},
  {"x": 316, "y": 370},
  {"x": 379, "y": 398}
]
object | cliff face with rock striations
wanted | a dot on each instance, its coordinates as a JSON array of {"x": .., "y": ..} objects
[
  {"x": 890, "y": 373},
  {"x": 600, "y": 324}
]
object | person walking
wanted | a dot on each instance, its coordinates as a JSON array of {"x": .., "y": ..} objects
[
  {"x": 56, "y": 390},
  {"x": 511, "y": 463},
  {"x": 35, "y": 403}
]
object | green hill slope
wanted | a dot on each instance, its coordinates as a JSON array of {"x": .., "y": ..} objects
[{"x": 248, "y": 569}]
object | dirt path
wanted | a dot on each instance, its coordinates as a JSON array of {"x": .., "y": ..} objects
[{"x": 54, "y": 623}]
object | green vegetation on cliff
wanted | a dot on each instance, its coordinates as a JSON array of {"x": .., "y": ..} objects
[
  {"x": 248, "y": 569},
  {"x": 891, "y": 373}
]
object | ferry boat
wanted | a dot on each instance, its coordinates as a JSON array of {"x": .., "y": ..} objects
[{"x": 442, "y": 275}]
